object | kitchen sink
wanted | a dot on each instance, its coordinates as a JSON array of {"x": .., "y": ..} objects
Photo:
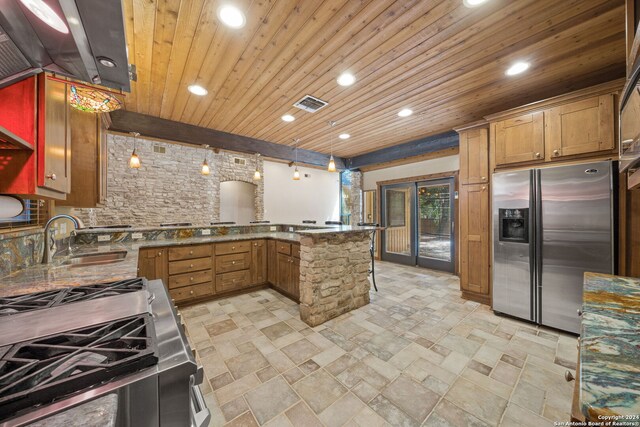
[{"x": 96, "y": 258}]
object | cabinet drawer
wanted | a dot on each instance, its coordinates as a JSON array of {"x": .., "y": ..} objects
[
  {"x": 233, "y": 262},
  {"x": 284, "y": 248},
  {"x": 192, "y": 292},
  {"x": 186, "y": 279},
  {"x": 232, "y": 281},
  {"x": 177, "y": 267},
  {"x": 295, "y": 251},
  {"x": 189, "y": 252},
  {"x": 233, "y": 247}
]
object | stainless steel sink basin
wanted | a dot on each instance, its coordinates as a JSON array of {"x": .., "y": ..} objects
[{"x": 96, "y": 259}]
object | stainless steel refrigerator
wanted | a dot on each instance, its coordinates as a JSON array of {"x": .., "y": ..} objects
[{"x": 550, "y": 226}]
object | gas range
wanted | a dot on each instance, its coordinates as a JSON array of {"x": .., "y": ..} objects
[{"x": 62, "y": 348}]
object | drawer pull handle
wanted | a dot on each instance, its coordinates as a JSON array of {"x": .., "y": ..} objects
[
  {"x": 484, "y": 178},
  {"x": 537, "y": 155},
  {"x": 556, "y": 152},
  {"x": 190, "y": 265},
  {"x": 191, "y": 292},
  {"x": 190, "y": 252},
  {"x": 233, "y": 247},
  {"x": 159, "y": 253},
  {"x": 51, "y": 176},
  {"x": 191, "y": 278},
  {"x": 255, "y": 244},
  {"x": 568, "y": 376}
]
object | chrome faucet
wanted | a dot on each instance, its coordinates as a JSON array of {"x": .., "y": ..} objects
[{"x": 48, "y": 246}]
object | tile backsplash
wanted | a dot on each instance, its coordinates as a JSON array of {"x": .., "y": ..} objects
[{"x": 20, "y": 249}]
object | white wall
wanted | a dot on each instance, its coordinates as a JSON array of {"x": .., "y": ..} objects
[
  {"x": 426, "y": 167},
  {"x": 236, "y": 202},
  {"x": 288, "y": 201}
]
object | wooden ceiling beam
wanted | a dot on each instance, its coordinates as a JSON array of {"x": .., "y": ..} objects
[{"x": 155, "y": 127}]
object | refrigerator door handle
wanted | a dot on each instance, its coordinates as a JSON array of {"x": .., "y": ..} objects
[{"x": 538, "y": 248}]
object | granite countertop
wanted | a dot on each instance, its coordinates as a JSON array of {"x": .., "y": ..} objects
[
  {"x": 610, "y": 347},
  {"x": 101, "y": 412},
  {"x": 44, "y": 277}
]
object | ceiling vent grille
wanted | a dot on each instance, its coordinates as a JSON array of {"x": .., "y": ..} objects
[
  {"x": 159, "y": 149},
  {"x": 239, "y": 161},
  {"x": 310, "y": 104}
]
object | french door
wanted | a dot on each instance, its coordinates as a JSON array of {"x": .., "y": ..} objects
[{"x": 419, "y": 221}]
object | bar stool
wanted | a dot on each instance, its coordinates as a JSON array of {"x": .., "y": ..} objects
[
  {"x": 333, "y": 223},
  {"x": 372, "y": 250},
  {"x": 309, "y": 221}
]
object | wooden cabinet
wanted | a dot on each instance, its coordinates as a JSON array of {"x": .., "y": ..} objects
[
  {"x": 585, "y": 126},
  {"x": 287, "y": 266},
  {"x": 152, "y": 263},
  {"x": 54, "y": 143},
  {"x": 474, "y": 242},
  {"x": 474, "y": 156},
  {"x": 272, "y": 262},
  {"x": 258, "y": 262},
  {"x": 519, "y": 139},
  {"x": 190, "y": 272},
  {"x": 89, "y": 160}
]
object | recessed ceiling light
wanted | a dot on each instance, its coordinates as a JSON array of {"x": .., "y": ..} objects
[
  {"x": 47, "y": 15},
  {"x": 405, "y": 112},
  {"x": 346, "y": 79},
  {"x": 473, "y": 3},
  {"x": 107, "y": 62},
  {"x": 344, "y": 136},
  {"x": 288, "y": 118},
  {"x": 231, "y": 16},
  {"x": 517, "y": 68},
  {"x": 197, "y": 90}
]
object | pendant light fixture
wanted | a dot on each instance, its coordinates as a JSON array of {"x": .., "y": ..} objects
[
  {"x": 205, "y": 165},
  {"x": 296, "y": 173},
  {"x": 134, "y": 160},
  {"x": 256, "y": 175},
  {"x": 332, "y": 163}
]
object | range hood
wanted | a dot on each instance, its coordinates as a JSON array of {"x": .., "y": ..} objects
[{"x": 81, "y": 39}]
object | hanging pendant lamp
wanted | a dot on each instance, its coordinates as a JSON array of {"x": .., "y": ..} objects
[
  {"x": 134, "y": 160},
  {"x": 256, "y": 175},
  {"x": 205, "y": 165},
  {"x": 332, "y": 163},
  {"x": 296, "y": 173}
]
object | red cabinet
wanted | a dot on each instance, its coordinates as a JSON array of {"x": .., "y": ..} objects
[{"x": 36, "y": 110}]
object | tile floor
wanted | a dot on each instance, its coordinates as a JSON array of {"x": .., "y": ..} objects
[{"x": 417, "y": 355}]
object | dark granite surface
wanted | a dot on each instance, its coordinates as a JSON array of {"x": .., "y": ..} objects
[
  {"x": 610, "y": 347},
  {"x": 101, "y": 412}
]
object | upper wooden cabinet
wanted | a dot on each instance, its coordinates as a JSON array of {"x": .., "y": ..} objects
[
  {"x": 474, "y": 156},
  {"x": 519, "y": 139},
  {"x": 585, "y": 126}
]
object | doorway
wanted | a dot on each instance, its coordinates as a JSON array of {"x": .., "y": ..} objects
[
  {"x": 419, "y": 221},
  {"x": 237, "y": 202}
]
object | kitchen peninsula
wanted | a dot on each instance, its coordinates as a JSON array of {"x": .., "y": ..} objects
[{"x": 324, "y": 269}]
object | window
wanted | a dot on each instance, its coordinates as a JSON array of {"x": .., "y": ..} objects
[{"x": 34, "y": 214}]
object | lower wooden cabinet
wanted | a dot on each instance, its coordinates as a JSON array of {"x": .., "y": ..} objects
[
  {"x": 233, "y": 281},
  {"x": 258, "y": 262},
  {"x": 152, "y": 264},
  {"x": 187, "y": 293},
  {"x": 475, "y": 242},
  {"x": 288, "y": 269},
  {"x": 272, "y": 262}
]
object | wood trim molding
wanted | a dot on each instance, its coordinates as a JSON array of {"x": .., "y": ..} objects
[
  {"x": 168, "y": 130},
  {"x": 614, "y": 86},
  {"x": 475, "y": 125},
  {"x": 452, "y": 151},
  {"x": 633, "y": 180},
  {"x": 418, "y": 178}
]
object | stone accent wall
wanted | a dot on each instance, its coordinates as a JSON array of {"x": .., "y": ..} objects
[
  {"x": 19, "y": 250},
  {"x": 356, "y": 197},
  {"x": 168, "y": 187},
  {"x": 333, "y": 275}
]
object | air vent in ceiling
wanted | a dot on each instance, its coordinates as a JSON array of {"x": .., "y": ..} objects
[
  {"x": 310, "y": 104},
  {"x": 239, "y": 161},
  {"x": 159, "y": 149}
]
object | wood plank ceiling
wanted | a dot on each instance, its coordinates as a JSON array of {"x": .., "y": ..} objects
[{"x": 442, "y": 59}]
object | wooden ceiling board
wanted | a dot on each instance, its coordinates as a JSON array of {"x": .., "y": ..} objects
[{"x": 441, "y": 59}]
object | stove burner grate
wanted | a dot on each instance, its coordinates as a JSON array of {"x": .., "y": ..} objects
[
  {"x": 47, "y": 299},
  {"x": 40, "y": 371}
]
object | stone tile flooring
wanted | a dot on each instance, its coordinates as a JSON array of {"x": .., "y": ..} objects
[{"x": 417, "y": 355}]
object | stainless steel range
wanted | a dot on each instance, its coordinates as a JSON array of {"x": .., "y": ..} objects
[{"x": 62, "y": 348}]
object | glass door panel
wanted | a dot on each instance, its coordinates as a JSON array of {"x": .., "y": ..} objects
[
  {"x": 435, "y": 224},
  {"x": 398, "y": 238}
]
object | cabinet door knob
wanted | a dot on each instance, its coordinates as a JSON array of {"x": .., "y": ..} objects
[
  {"x": 233, "y": 262},
  {"x": 484, "y": 188},
  {"x": 190, "y": 252},
  {"x": 159, "y": 253},
  {"x": 568, "y": 376},
  {"x": 255, "y": 244},
  {"x": 484, "y": 178},
  {"x": 52, "y": 176},
  {"x": 191, "y": 292},
  {"x": 579, "y": 312},
  {"x": 233, "y": 247},
  {"x": 556, "y": 152},
  {"x": 190, "y": 265},
  {"x": 537, "y": 155},
  {"x": 191, "y": 278}
]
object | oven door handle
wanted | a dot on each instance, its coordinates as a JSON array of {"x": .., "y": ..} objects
[{"x": 200, "y": 415}]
